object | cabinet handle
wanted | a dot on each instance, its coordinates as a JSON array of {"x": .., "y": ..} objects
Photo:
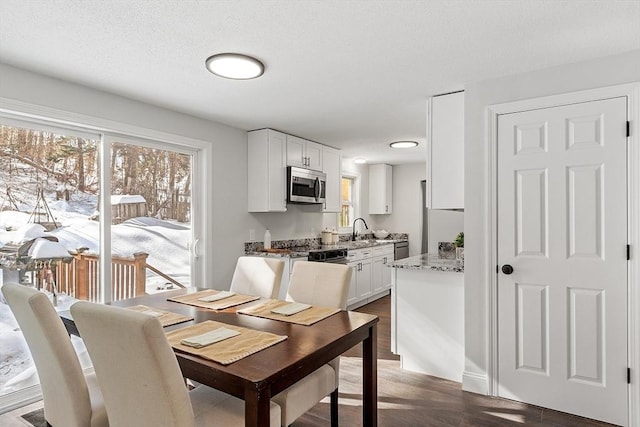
[{"x": 384, "y": 260}]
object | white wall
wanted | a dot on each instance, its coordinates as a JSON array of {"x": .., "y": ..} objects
[
  {"x": 444, "y": 226},
  {"x": 407, "y": 205},
  {"x": 228, "y": 193},
  {"x": 597, "y": 73},
  {"x": 228, "y": 189}
]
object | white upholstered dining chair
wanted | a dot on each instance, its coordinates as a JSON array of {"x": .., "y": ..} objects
[
  {"x": 323, "y": 284},
  {"x": 140, "y": 376},
  {"x": 70, "y": 398},
  {"x": 260, "y": 276}
]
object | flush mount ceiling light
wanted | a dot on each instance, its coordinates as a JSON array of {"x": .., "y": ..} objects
[
  {"x": 234, "y": 66},
  {"x": 403, "y": 144},
  {"x": 359, "y": 160}
]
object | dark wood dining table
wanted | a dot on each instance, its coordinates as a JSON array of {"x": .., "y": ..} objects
[{"x": 258, "y": 377}]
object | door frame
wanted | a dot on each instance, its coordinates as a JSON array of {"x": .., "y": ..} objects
[{"x": 632, "y": 92}]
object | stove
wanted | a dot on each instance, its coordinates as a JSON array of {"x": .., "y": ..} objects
[{"x": 334, "y": 255}]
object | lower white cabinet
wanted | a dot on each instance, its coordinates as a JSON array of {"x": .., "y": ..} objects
[
  {"x": 363, "y": 279},
  {"x": 370, "y": 276},
  {"x": 380, "y": 273},
  {"x": 352, "y": 297}
]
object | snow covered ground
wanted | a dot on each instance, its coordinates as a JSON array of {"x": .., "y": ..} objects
[{"x": 164, "y": 241}]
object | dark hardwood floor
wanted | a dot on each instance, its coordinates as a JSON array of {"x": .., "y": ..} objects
[{"x": 412, "y": 399}]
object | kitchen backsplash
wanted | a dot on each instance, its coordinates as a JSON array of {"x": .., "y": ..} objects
[{"x": 315, "y": 242}]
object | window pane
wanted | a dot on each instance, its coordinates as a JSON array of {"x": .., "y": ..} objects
[
  {"x": 347, "y": 185},
  {"x": 151, "y": 217},
  {"x": 48, "y": 230},
  {"x": 346, "y": 213}
]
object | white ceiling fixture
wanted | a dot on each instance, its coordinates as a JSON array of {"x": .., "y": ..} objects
[
  {"x": 235, "y": 66},
  {"x": 403, "y": 144},
  {"x": 359, "y": 161}
]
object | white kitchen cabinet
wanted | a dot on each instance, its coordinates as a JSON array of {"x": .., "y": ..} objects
[
  {"x": 370, "y": 277},
  {"x": 363, "y": 277},
  {"x": 445, "y": 151},
  {"x": 303, "y": 153},
  {"x": 352, "y": 296},
  {"x": 267, "y": 180},
  {"x": 332, "y": 166},
  {"x": 380, "y": 189},
  {"x": 380, "y": 273}
]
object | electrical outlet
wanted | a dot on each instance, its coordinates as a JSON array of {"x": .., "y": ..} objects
[{"x": 252, "y": 235}]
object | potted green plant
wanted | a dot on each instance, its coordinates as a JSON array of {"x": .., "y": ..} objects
[{"x": 459, "y": 242}]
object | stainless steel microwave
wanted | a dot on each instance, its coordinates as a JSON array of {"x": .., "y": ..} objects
[{"x": 305, "y": 185}]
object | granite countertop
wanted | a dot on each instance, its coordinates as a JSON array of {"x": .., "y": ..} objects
[
  {"x": 303, "y": 251},
  {"x": 429, "y": 262}
]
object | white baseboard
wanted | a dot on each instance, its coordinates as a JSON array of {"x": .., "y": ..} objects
[{"x": 475, "y": 383}]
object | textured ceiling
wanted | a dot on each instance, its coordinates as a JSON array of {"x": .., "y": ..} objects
[{"x": 351, "y": 74}]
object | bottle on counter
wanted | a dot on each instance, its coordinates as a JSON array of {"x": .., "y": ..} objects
[
  {"x": 335, "y": 238},
  {"x": 267, "y": 239}
]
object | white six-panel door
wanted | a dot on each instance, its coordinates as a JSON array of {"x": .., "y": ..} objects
[{"x": 562, "y": 227}]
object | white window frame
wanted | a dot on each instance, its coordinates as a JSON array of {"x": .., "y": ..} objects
[{"x": 355, "y": 198}]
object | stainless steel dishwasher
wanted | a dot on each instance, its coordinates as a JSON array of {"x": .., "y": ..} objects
[{"x": 400, "y": 250}]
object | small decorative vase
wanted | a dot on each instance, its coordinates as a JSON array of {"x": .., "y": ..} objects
[{"x": 459, "y": 253}]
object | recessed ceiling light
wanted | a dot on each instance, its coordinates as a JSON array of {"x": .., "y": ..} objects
[
  {"x": 359, "y": 160},
  {"x": 234, "y": 66},
  {"x": 403, "y": 144}
]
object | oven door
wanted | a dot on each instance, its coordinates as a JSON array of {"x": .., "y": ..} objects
[{"x": 305, "y": 186}]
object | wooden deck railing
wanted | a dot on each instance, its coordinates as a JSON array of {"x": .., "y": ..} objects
[{"x": 79, "y": 278}]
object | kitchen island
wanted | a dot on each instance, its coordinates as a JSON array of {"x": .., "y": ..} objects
[{"x": 427, "y": 315}]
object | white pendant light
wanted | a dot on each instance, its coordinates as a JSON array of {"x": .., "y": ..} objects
[
  {"x": 403, "y": 144},
  {"x": 235, "y": 66}
]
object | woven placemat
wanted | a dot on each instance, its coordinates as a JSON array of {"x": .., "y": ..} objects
[
  {"x": 167, "y": 319},
  {"x": 306, "y": 317},
  {"x": 192, "y": 299},
  {"x": 227, "y": 351}
]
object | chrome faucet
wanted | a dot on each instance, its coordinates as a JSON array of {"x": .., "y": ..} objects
[{"x": 353, "y": 236}]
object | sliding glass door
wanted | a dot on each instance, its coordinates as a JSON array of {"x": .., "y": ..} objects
[{"x": 110, "y": 209}]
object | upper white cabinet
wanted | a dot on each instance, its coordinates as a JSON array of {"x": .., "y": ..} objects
[
  {"x": 267, "y": 180},
  {"x": 445, "y": 162},
  {"x": 303, "y": 153},
  {"x": 380, "y": 189},
  {"x": 332, "y": 166}
]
